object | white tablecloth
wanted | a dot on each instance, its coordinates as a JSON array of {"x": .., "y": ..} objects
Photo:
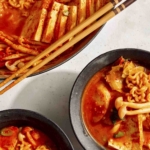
[{"x": 48, "y": 93}]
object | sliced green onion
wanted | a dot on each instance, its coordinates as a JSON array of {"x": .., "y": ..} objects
[
  {"x": 119, "y": 134},
  {"x": 6, "y": 132},
  {"x": 66, "y": 13}
]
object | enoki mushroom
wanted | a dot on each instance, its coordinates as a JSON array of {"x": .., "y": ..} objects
[
  {"x": 121, "y": 106},
  {"x": 123, "y": 111}
]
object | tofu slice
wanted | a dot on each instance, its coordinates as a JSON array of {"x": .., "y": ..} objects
[
  {"x": 146, "y": 139},
  {"x": 123, "y": 144},
  {"x": 34, "y": 25},
  {"x": 97, "y": 4},
  {"x": 63, "y": 1},
  {"x": 40, "y": 24},
  {"x": 120, "y": 144},
  {"x": 27, "y": 31},
  {"x": 72, "y": 18},
  {"x": 73, "y": 3},
  {"x": 50, "y": 23},
  {"x": 100, "y": 3},
  {"x": 81, "y": 4},
  {"x": 103, "y": 2},
  {"x": 90, "y": 7},
  {"x": 61, "y": 22}
]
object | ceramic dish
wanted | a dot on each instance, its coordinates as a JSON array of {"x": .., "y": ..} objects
[
  {"x": 63, "y": 57},
  {"x": 69, "y": 54},
  {"x": 27, "y": 37},
  {"x": 20, "y": 117},
  {"x": 87, "y": 73}
]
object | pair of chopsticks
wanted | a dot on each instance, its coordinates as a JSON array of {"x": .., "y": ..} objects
[{"x": 92, "y": 23}]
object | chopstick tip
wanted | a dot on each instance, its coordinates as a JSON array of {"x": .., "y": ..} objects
[{"x": 128, "y": 2}]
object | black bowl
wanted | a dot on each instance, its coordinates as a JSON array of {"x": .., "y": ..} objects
[
  {"x": 91, "y": 69},
  {"x": 20, "y": 117}
]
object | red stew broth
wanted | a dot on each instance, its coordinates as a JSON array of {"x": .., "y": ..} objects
[
  {"x": 100, "y": 131},
  {"x": 10, "y": 138}
]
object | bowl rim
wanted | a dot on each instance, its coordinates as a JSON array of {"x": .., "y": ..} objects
[
  {"x": 93, "y": 35},
  {"x": 72, "y": 56},
  {"x": 76, "y": 93},
  {"x": 24, "y": 113}
]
